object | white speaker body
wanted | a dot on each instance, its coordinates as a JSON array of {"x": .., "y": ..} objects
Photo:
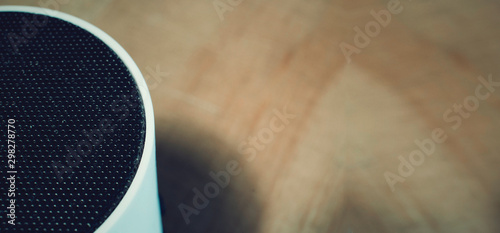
[{"x": 138, "y": 210}]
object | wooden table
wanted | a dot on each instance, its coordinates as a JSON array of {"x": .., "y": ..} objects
[{"x": 261, "y": 92}]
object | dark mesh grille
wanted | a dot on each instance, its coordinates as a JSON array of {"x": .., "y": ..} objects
[{"x": 79, "y": 129}]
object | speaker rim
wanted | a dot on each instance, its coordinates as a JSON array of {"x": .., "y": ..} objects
[{"x": 148, "y": 154}]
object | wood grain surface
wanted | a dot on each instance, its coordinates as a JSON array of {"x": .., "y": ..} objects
[{"x": 265, "y": 84}]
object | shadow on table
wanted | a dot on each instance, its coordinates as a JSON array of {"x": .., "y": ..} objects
[{"x": 185, "y": 157}]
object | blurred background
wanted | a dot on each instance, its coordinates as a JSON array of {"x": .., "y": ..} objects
[{"x": 317, "y": 116}]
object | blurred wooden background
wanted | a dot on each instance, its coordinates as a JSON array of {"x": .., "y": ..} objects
[{"x": 215, "y": 83}]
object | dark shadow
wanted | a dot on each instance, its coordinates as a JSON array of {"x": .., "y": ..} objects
[{"x": 185, "y": 157}]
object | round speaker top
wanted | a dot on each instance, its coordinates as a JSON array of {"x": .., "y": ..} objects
[{"x": 73, "y": 125}]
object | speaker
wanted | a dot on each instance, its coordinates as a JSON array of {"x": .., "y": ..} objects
[{"x": 77, "y": 143}]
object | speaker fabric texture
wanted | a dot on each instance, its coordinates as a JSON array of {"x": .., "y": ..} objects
[{"x": 77, "y": 139}]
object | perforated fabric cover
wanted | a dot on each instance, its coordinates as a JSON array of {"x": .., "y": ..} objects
[{"x": 67, "y": 91}]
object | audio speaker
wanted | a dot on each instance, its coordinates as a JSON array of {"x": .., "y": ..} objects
[{"x": 77, "y": 150}]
